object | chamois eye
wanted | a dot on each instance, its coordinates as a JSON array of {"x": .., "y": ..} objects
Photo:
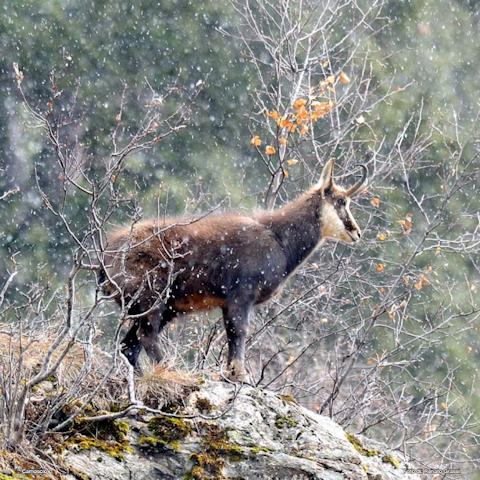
[{"x": 341, "y": 202}]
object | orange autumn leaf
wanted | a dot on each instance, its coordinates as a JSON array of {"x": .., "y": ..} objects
[
  {"x": 303, "y": 130},
  {"x": 375, "y": 202},
  {"x": 343, "y": 78},
  {"x": 422, "y": 281},
  {"x": 331, "y": 79},
  {"x": 282, "y": 141},
  {"x": 285, "y": 173},
  {"x": 270, "y": 150},
  {"x": 273, "y": 114},
  {"x": 299, "y": 103},
  {"x": 406, "y": 223},
  {"x": 320, "y": 109},
  {"x": 286, "y": 123},
  {"x": 324, "y": 106},
  {"x": 379, "y": 267},
  {"x": 255, "y": 141},
  {"x": 302, "y": 115},
  {"x": 292, "y": 161},
  {"x": 382, "y": 236}
]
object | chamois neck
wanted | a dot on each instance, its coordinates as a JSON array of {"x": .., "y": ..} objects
[{"x": 297, "y": 227}]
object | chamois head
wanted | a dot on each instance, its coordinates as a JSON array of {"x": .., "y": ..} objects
[{"x": 337, "y": 221}]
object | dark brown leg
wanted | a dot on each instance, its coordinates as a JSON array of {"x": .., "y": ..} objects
[
  {"x": 147, "y": 335},
  {"x": 150, "y": 328},
  {"x": 236, "y": 318},
  {"x": 130, "y": 345}
]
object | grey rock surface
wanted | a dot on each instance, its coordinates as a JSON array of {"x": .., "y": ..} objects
[{"x": 242, "y": 433}]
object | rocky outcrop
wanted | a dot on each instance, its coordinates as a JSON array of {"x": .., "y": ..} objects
[{"x": 232, "y": 432}]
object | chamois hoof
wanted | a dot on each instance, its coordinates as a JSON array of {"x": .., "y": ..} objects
[{"x": 236, "y": 372}]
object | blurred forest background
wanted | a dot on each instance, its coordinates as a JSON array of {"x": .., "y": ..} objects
[{"x": 425, "y": 53}]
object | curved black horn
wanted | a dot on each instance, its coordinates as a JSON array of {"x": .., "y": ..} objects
[{"x": 352, "y": 190}]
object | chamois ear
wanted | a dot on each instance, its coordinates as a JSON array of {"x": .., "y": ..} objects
[{"x": 326, "y": 177}]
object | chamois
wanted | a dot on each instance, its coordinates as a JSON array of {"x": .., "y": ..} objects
[{"x": 165, "y": 267}]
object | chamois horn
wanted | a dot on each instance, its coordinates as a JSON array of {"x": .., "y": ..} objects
[{"x": 353, "y": 189}]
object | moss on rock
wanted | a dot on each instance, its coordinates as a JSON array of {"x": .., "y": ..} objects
[
  {"x": 208, "y": 463},
  {"x": 281, "y": 421},
  {"x": 255, "y": 450},
  {"x": 109, "y": 436},
  {"x": 155, "y": 444},
  {"x": 367, "y": 452},
  {"x": 167, "y": 434},
  {"x": 169, "y": 428},
  {"x": 358, "y": 446},
  {"x": 215, "y": 440},
  {"x": 198, "y": 473},
  {"x": 392, "y": 460},
  {"x": 116, "y": 450},
  {"x": 105, "y": 429}
]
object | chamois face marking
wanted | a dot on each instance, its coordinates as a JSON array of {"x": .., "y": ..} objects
[{"x": 337, "y": 222}]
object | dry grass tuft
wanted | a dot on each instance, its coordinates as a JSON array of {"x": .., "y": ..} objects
[
  {"x": 86, "y": 383},
  {"x": 161, "y": 385},
  {"x": 83, "y": 368}
]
